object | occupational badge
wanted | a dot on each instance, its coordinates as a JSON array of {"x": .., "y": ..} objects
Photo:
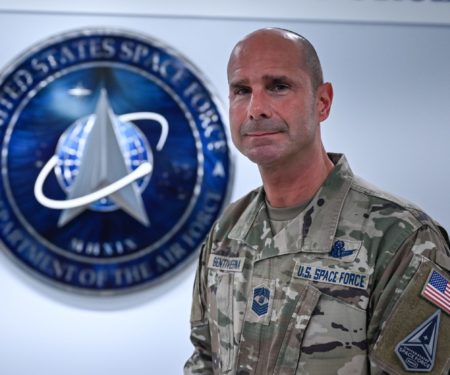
[{"x": 114, "y": 160}]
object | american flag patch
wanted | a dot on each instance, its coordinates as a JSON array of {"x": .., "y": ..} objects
[{"x": 437, "y": 291}]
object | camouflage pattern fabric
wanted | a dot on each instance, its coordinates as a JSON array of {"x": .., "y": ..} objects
[{"x": 314, "y": 298}]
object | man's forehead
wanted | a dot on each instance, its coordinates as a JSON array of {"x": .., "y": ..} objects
[
  {"x": 264, "y": 67},
  {"x": 261, "y": 47}
]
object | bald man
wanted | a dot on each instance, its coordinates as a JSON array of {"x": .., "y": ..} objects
[{"x": 316, "y": 272}]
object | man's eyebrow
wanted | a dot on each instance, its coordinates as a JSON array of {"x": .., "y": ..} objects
[
  {"x": 267, "y": 78},
  {"x": 239, "y": 83},
  {"x": 276, "y": 78}
]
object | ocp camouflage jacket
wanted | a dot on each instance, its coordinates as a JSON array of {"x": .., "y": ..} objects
[{"x": 334, "y": 292}]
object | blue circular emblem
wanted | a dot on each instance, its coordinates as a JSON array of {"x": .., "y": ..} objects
[{"x": 114, "y": 160}]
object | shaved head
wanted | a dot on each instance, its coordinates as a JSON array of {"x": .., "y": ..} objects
[
  {"x": 308, "y": 59},
  {"x": 277, "y": 99}
]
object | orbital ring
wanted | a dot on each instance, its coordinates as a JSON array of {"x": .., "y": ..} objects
[
  {"x": 150, "y": 116},
  {"x": 143, "y": 169}
]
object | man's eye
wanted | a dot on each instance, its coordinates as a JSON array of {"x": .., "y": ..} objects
[
  {"x": 279, "y": 87},
  {"x": 241, "y": 90}
]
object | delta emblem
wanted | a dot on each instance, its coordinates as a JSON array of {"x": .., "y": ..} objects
[
  {"x": 114, "y": 160},
  {"x": 417, "y": 351}
]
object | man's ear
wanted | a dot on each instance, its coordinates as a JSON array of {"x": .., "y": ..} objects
[{"x": 324, "y": 95}]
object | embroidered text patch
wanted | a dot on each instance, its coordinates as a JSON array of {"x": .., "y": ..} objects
[
  {"x": 333, "y": 276},
  {"x": 222, "y": 263}
]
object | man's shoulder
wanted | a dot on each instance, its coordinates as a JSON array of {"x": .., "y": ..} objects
[{"x": 389, "y": 205}]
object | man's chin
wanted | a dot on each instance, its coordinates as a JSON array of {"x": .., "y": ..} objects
[{"x": 264, "y": 157}]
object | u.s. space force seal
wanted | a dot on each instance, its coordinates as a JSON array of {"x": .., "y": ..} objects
[{"x": 114, "y": 160}]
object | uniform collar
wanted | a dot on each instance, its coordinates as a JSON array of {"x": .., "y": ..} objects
[{"x": 311, "y": 231}]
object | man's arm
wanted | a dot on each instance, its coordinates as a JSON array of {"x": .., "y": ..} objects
[
  {"x": 201, "y": 360},
  {"x": 407, "y": 329}
]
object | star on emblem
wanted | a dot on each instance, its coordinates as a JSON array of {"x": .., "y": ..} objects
[{"x": 102, "y": 164}]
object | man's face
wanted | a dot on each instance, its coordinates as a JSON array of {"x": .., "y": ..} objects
[{"x": 274, "y": 114}]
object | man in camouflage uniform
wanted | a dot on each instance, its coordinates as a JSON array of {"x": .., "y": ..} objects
[{"x": 317, "y": 272}]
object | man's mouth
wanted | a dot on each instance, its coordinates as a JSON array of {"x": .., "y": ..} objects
[{"x": 261, "y": 133}]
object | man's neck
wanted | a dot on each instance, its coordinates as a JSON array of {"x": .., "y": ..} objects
[{"x": 295, "y": 183}]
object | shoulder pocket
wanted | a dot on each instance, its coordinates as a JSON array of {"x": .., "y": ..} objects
[{"x": 406, "y": 339}]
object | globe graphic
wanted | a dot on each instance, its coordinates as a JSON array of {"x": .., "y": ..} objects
[{"x": 69, "y": 150}]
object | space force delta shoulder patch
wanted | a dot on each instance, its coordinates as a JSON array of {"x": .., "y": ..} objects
[
  {"x": 417, "y": 351},
  {"x": 114, "y": 159}
]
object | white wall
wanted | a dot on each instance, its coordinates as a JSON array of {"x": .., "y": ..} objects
[{"x": 391, "y": 117}]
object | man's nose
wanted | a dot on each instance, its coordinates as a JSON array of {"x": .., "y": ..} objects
[{"x": 259, "y": 106}]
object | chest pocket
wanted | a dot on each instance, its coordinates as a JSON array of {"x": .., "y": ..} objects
[
  {"x": 274, "y": 325},
  {"x": 300, "y": 329},
  {"x": 335, "y": 339}
]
